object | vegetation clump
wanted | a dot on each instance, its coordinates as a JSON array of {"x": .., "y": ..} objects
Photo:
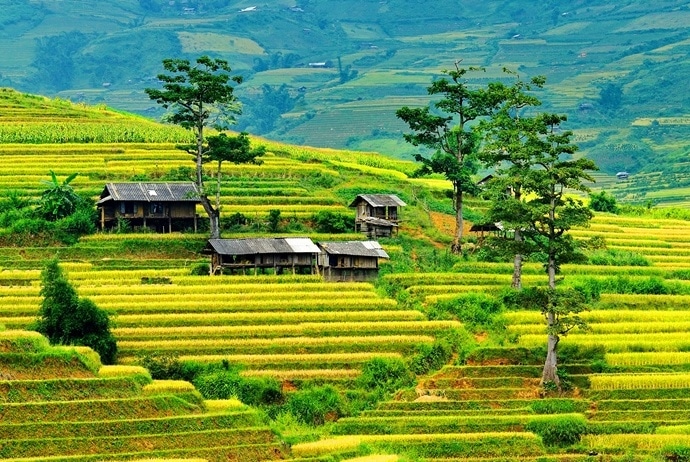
[{"x": 67, "y": 319}]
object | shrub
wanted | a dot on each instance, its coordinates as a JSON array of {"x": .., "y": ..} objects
[
  {"x": 331, "y": 222},
  {"x": 603, "y": 202},
  {"x": 386, "y": 375},
  {"x": 476, "y": 310},
  {"x": 200, "y": 269},
  {"x": 613, "y": 257},
  {"x": 273, "y": 220},
  {"x": 558, "y": 430},
  {"x": 431, "y": 357},
  {"x": 676, "y": 453},
  {"x": 227, "y": 383},
  {"x": 169, "y": 367},
  {"x": 67, "y": 319},
  {"x": 316, "y": 406}
]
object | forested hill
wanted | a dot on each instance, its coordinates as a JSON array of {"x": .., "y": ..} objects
[{"x": 333, "y": 72}]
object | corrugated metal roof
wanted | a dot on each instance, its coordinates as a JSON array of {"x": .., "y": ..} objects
[
  {"x": 354, "y": 248},
  {"x": 380, "y": 200},
  {"x": 254, "y": 246},
  {"x": 150, "y": 192}
]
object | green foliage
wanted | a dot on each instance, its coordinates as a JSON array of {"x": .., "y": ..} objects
[
  {"x": 603, "y": 202},
  {"x": 227, "y": 383},
  {"x": 431, "y": 357},
  {"x": 169, "y": 367},
  {"x": 317, "y": 405},
  {"x": 273, "y": 220},
  {"x": 385, "y": 375},
  {"x": 676, "y": 453},
  {"x": 329, "y": 222},
  {"x": 59, "y": 200},
  {"x": 67, "y": 319},
  {"x": 476, "y": 310},
  {"x": 559, "y": 430},
  {"x": 615, "y": 257},
  {"x": 558, "y": 406},
  {"x": 200, "y": 269}
]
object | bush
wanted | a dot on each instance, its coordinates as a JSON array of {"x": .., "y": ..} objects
[
  {"x": 332, "y": 222},
  {"x": 227, "y": 383},
  {"x": 558, "y": 430},
  {"x": 613, "y": 257},
  {"x": 169, "y": 367},
  {"x": 200, "y": 269},
  {"x": 676, "y": 453},
  {"x": 603, "y": 202},
  {"x": 385, "y": 375},
  {"x": 476, "y": 310},
  {"x": 431, "y": 357},
  {"x": 67, "y": 319},
  {"x": 316, "y": 406}
]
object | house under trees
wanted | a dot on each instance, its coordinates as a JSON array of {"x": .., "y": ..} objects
[
  {"x": 377, "y": 214},
  {"x": 162, "y": 207}
]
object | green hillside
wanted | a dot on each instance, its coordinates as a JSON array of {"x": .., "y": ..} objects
[
  {"x": 616, "y": 69},
  {"x": 429, "y": 363}
]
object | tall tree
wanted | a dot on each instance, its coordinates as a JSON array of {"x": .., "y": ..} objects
[
  {"x": 200, "y": 96},
  {"x": 548, "y": 216},
  {"x": 509, "y": 135},
  {"x": 450, "y": 136},
  {"x": 236, "y": 149}
]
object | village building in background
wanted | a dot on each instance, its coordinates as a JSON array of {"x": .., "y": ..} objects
[
  {"x": 162, "y": 207},
  {"x": 377, "y": 214},
  {"x": 351, "y": 260},
  {"x": 239, "y": 256}
]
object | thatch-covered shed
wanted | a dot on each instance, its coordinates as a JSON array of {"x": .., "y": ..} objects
[
  {"x": 351, "y": 260},
  {"x": 297, "y": 255},
  {"x": 377, "y": 214},
  {"x": 162, "y": 206}
]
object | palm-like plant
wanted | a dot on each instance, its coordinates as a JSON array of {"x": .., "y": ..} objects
[{"x": 59, "y": 200}]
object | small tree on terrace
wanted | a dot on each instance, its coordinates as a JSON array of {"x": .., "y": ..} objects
[
  {"x": 236, "y": 149},
  {"x": 199, "y": 96},
  {"x": 547, "y": 218},
  {"x": 450, "y": 135},
  {"x": 67, "y": 319}
]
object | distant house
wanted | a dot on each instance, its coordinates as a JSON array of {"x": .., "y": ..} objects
[
  {"x": 350, "y": 261},
  {"x": 297, "y": 255},
  {"x": 164, "y": 207},
  {"x": 622, "y": 175},
  {"x": 377, "y": 214}
]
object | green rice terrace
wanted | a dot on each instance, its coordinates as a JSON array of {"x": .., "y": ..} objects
[{"x": 430, "y": 362}]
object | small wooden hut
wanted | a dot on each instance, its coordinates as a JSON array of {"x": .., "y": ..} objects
[
  {"x": 377, "y": 214},
  {"x": 297, "y": 255},
  {"x": 163, "y": 207},
  {"x": 350, "y": 261}
]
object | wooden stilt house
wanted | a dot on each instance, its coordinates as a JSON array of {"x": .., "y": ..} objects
[
  {"x": 296, "y": 255},
  {"x": 350, "y": 261},
  {"x": 163, "y": 207},
  {"x": 377, "y": 214}
]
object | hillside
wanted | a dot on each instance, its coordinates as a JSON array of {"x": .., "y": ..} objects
[
  {"x": 430, "y": 362},
  {"x": 332, "y": 73}
]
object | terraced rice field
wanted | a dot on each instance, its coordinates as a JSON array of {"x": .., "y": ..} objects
[
  {"x": 60, "y": 401},
  {"x": 634, "y": 400}
]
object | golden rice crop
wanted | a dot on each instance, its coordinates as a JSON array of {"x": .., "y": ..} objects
[
  {"x": 633, "y": 441},
  {"x": 648, "y": 358},
  {"x": 255, "y": 318},
  {"x": 615, "y": 327},
  {"x": 223, "y": 405},
  {"x": 639, "y": 381},
  {"x": 216, "y": 343},
  {"x": 122, "y": 371},
  {"x": 673, "y": 430},
  {"x": 170, "y": 386},
  {"x": 290, "y": 358},
  {"x": 342, "y": 443},
  {"x": 288, "y": 374},
  {"x": 375, "y": 458}
]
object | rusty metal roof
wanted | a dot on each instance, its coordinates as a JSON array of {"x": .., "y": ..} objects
[
  {"x": 150, "y": 192},
  {"x": 379, "y": 200},
  {"x": 354, "y": 248},
  {"x": 254, "y": 246}
]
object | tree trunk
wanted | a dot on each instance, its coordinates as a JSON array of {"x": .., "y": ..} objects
[
  {"x": 213, "y": 217},
  {"x": 517, "y": 269},
  {"x": 456, "y": 247},
  {"x": 550, "y": 373},
  {"x": 517, "y": 261}
]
